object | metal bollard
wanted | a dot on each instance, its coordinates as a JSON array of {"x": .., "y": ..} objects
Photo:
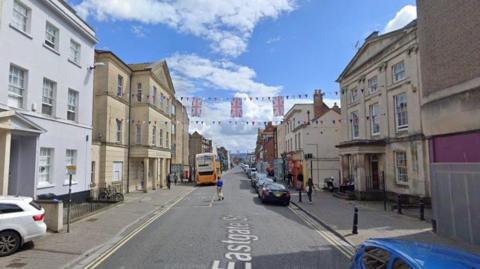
[
  {"x": 399, "y": 205},
  {"x": 355, "y": 221},
  {"x": 422, "y": 209}
]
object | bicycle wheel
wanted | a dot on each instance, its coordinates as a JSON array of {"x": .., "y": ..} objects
[
  {"x": 118, "y": 197},
  {"x": 103, "y": 196}
]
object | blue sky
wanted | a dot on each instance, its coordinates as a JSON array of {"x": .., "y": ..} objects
[{"x": 243, "y": 47}]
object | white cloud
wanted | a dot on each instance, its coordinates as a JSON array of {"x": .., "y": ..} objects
[
  {"x": 191, "y": 72},
  {"x": 228, "y": 25},
  {"x": 138, "y": 30},
  {"x": 402, "y": 18}
]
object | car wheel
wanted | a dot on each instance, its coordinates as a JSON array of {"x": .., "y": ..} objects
[
  {"x": 9, "y": 243},
  {"x": 286, "y": 203}
]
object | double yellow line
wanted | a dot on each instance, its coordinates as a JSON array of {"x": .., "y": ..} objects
[
  {"x": 339, "y": 244},
  {"x": 105, "y": 255}
]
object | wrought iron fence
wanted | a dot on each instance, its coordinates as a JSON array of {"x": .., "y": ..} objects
[{"x": 78, "y": 210}]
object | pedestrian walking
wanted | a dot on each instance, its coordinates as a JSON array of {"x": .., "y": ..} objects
[
  {"x": 175, "y": 178},
  {"x": 168, "y": 181},
  {"x": 219, "y": 189},
  {"x": 289, "y": 180},
  {"x": 300, "y": 186},
  {"x": 310, "y": 189}
]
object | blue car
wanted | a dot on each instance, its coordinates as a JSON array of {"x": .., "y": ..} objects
[{"x": 409, "y": 254}]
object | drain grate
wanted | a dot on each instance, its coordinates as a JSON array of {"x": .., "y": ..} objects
[{"x": 16, "y": 265}]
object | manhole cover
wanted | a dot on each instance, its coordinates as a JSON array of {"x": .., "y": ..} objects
[
  {"x": 16, "y": 265},
  {"x": 92, "y": 219}
]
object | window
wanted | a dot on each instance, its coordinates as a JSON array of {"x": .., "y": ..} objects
[
  {"x": 372, "y": 84},
  {"x": 162, "y": 99},
  {"x": 353, "y": 95},
  {"x": 16, "y": 86},
  {"x": 401, "y": 113},
  {"x": 119, "y": 130},
  {"x": 154, "y": 95},
  {"x": 117, "y": 171},
  {"x": 354, "y": 125},
  {"x": 51, "y": 36},
  {"x": 398, "y": 71},
  {"x": 401, "y": 167},
  {"x": 154, "y": 135},
  {"x": 375, "y": 120},
  {"x": 72, "y": 109},
  {"x": 70, "y": 159},
  {"x": 75, "y": 50},
  {"x": 167, "y": 142},
  {"x": 139, "y": 92},
  {"x": 9, "y": 208},
  {"x": 119, "y": 85},
  {"x": 375, "y": 258},
  {"x": 138, "y": 134},
  {"x": 20, "y": 16},
  {"x": 161, "y": 138},
  {"x": 45, "y": 162},
  {"x": 48, "y": 96},
  {"x": 400, "y": 264}
]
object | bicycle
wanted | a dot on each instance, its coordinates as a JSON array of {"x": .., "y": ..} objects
[{"x": 110, "y": 194}]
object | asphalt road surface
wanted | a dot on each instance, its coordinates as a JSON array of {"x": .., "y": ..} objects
[{"x": 238, "y": 232}]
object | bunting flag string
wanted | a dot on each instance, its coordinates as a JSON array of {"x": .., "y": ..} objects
[{"x": 251, "y": 98}]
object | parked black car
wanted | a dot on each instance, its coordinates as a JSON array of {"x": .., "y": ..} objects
[
  {"x": 262, "y": 181},
  {"x": 274, "y": 193}
]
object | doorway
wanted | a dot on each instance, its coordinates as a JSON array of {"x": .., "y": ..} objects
[{"x": 375, "y": 175}]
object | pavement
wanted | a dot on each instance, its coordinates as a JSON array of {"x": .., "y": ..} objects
[
  {"x": 373, "y": 222},
  {"x": 91, "y": 234}
]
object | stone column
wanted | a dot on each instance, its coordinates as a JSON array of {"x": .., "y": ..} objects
[
  {"x": 360, "y": 180},
  {"x": 155, "y": 174},
  {"x": 145, "y": 174},
  {"x": 5, "y": 143},
  {"x": 162, "y": 173}
]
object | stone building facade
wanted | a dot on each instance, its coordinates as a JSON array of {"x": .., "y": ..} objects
[
  {"x": 383, "y": 145},
  {"x": 132, "y": 123}
]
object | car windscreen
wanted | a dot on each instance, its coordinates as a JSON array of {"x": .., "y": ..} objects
[{"x": 276, "y": 187}]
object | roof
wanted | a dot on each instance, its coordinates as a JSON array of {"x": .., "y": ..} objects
[
  {"x": 371, "y": 39},
  {"x": 427, "y": 256},
  {"x": 140, "y": 66},
  {"x": 97, "y": 51},
  {"x": 71, "y": 9}
]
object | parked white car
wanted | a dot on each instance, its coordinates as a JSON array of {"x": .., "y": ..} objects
[{"x": 21, "y": 221}]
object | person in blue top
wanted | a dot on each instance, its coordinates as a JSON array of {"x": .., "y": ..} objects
[{"x": 219, "y": 189}]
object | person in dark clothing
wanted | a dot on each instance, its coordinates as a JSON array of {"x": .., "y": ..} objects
[
  {"x": 175, "y": 178},
  {"x": 168, "y": 181},
  {"x": 300, "y": 186},
  {"x": 289, "y": 180},
  {"x": 310, "y": 189}
]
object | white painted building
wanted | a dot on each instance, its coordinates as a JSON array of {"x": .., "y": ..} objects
[{"x": 46, "y": 87}]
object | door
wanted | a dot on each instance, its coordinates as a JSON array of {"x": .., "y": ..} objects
[
  {"x": 375, "y": 176},
  {"x": 117, "y": 172},
  {"x": 13, "y": 183}
]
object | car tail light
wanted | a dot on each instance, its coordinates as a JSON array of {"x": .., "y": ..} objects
[{"x": 38, "y": 217}]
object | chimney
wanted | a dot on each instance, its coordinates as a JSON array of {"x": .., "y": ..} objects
[{"x": 318, "y": 105}]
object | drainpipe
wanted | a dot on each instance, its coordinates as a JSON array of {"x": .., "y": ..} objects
[{"x": 129, "y": 131}]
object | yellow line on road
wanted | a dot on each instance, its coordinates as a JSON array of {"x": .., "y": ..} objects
[
  {"x": 333, "y": 240},
  {"x": 97, "y": 261}
]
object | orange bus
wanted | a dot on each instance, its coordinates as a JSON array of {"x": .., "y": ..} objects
[{"x": 206, "y": 168}]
